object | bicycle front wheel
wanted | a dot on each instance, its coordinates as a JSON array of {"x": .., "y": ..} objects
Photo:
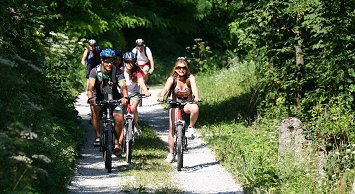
[
  {"x": 129, "y": 140},
  {"x": 108, "y": 148},
  {"x": 179, "y": 145}
]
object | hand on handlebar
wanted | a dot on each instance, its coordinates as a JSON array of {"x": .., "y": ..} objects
[
  {"x": 92, "y": 101},
  {"x": 147, "y": 94},
  {"x": 160, "y": 99},
  {"x": 196, "y": 100},
  {"x": 124, "y": 101}
]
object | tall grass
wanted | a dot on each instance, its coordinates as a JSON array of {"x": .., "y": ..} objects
[{"x": 245, "y": 143}]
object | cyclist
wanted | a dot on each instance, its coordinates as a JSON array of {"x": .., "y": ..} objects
[
  {"x": 91, "y": 56},
  {"x": 99, "y": 77},
  {"x": 118, "y": 59},
  {"x": 134, "y": 78},
  {"x": 181, "y": 85},
  {"x": 144, "y": 58}
]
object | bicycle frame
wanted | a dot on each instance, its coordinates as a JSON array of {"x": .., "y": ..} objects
[
  {"x": 129, "y": 130},
  {"x": 128, "y": 133},
  {"x": 180, "y": 140},
  {"x": 107, "y": 130}
]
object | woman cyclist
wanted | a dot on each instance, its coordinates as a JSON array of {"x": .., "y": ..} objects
[
  {"x": 182, "y": 85},
  {"x": 134, "y": 79}
]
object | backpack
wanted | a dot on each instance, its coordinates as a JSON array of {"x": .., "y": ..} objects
[
  {"x": 145, "y": 53},
  {"x": 93, "y": 57},
  {"x": 113, "y": 74},
  {"x": 174, "y": 85}
]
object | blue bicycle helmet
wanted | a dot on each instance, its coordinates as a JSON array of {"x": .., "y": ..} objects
[
  {"x": 129, "y": 56},
  {"x": 107, "y": 53}
]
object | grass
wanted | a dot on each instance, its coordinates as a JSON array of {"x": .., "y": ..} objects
[
  {"x": 247, "y": 145},
  {"x": 149, "y": 172}
]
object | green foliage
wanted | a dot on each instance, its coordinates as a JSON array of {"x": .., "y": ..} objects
[
  {"x": 224, "y": 92},
  {"x": 199, "y": 56},
  {"x": 39, "y": 130}
]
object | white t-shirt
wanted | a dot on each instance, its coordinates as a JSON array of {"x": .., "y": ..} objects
[
  {"x": 132, "y": 87},
  {"x": 141, "y": 58}
]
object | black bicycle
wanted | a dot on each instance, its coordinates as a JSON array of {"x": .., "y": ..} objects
[
  {"x": 180, "y": 140},
  {"x": 107, "y": 130}
]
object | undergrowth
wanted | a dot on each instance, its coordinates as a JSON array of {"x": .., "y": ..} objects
[{"x": 245, "y": 139}]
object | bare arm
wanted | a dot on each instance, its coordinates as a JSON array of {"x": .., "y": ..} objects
[
  {"x": 144, "y": 87},
  {"x": 194, "y": 88},
  {"x": 151, "y": 61},
  {"x": 89, "y": 91},
  {"x": 166, "y": 88},
  {"x": 83, "y": 58},
  {"x": 124, "y": 91}
]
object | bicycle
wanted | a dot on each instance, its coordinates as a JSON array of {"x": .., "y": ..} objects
[
  {"x": 107, "y": 131},
  {"x": 129, "y": 130},
  {"x": 180, "y": 140}
]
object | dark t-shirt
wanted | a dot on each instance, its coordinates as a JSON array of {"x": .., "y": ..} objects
[{"x": 99, "y": 86}]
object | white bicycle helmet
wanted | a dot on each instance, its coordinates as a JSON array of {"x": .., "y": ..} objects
[
  {"x": 92, "y": 42},
  {"x": 139, "y": 42}
]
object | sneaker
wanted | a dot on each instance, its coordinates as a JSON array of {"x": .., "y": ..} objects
[
  {"x": 137, "y": 131},
  {"x": 170, "y": 158},
  {"x": 190, "y": 133}
]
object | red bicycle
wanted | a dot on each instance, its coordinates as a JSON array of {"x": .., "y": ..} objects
[{"x": 180, "y": 140}]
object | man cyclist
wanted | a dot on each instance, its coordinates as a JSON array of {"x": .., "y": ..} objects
[
  {"x": 144, "y": 57},
  {"x": 102, "y": 76}
]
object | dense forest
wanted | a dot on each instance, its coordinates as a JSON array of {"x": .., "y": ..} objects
[{"x": 302, "y": 51}]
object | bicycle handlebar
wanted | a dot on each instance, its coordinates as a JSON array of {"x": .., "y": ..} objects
[
  {"x": 170, "y": 101},
  {"x": 140, "y": 96},
  {"x": 109, "y": 102}
]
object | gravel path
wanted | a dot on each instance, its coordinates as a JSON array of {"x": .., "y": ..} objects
[{"x": 201, "y": 173}]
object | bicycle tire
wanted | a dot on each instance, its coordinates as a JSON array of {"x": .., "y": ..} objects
[
  {"x": 108, "y": 149},
  {"x": 179, "y": 145},
  {"x": 129, "y": 140}
]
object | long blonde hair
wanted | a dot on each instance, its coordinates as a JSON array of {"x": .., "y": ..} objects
[{"x": 173, "y": 72}]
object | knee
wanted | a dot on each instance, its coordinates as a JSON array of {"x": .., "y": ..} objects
[
  {"x": 194, "y": 110},
  {"x": 133, "y": 109},
  {"x": 118, "y": 119}
]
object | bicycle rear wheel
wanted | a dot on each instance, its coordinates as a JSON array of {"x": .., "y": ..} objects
[
  {"x": 179, "y": 145},
  {"x": 108, "y": 148},
  {"x": 129, "y": 140}
]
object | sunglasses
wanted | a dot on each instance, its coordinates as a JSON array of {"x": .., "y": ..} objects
[
  {"x": 129, "y": 62},
  {"x": 109, "y": 61},
  {"x": 181, "y": 67}
]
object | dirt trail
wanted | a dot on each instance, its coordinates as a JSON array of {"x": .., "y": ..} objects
[{"x": 201, "y": 173}]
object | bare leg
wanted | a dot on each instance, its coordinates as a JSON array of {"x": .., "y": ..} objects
[
  {"x": 95, "y": 120},
  {"x": 171, "y": 131},
  {"x": 134, "y": 110},
  {"x": 193, "y": 110},
  {"x": 118, "y": 117}
]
